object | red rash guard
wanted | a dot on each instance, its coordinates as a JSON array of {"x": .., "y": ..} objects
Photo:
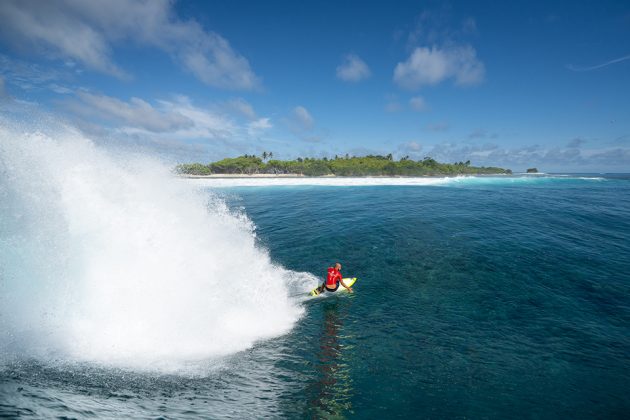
[{"x": 333, "y": 277}]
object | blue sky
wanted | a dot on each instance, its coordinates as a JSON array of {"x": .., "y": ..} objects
[{"x": 513, "y": 84}]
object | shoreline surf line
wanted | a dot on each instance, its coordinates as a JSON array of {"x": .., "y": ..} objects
[
  {"x": 221, "y": 182},
  {"x": 300, "y": 176}
]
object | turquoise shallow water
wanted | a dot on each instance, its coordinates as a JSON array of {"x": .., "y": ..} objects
[{"x": 481, "y": 298}]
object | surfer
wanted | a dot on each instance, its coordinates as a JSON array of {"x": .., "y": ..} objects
[{"x": 332, "y": 281}]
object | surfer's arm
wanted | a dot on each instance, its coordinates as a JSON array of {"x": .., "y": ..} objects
[{"x": 344, "y": 285}]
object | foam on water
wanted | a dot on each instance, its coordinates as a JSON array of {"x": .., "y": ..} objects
[
  {"x": 313, "y": 181},
  {"x": 229, "y": 182},
  {"x": 111, "y": 259}
]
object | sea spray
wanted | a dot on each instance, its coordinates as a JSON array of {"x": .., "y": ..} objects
[{"x": 112, "y": 259}]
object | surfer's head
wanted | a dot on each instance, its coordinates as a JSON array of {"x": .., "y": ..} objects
[{"x": 338, "y": 266}]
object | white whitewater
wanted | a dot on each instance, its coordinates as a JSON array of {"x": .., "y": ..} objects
[
  {"x": 230, "y": 182},
  {"x": 110, "y": 258}
]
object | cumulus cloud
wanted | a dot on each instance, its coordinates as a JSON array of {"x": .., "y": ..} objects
[
  {"x": 430, "y": 66},
  {"x": 410, "y": 148},
  {"x": 257, "y": 127},
  {"x": 86, "y": 32},
  {"x": 353, "y": 69},
  {"x": 418, "y": 103},
  {"x": 303, "y": 117},
  {"x": 415, "y": 146},
  {"x": 430, "y": 27}
]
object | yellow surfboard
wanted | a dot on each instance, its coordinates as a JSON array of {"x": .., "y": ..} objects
[{"x": 347, "y": 281}]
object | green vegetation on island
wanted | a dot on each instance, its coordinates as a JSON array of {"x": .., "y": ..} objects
[{"x": 370, "y": 165}]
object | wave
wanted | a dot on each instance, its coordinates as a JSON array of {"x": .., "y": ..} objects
[
  {"x": 229, "y": 182},
  {"x": 111, "y": 259},
  {"x": 313, "y": 181}
]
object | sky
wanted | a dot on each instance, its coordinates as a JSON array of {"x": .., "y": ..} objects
[{"x": 511, "y": 84}]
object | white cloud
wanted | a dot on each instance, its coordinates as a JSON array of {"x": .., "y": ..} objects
[
  {"x": 242, "y": 107},
  {"x": 173, "y": 120},
  {"x": 430, "y": 66},
  {"x": 302, "y": 125},
  {"x": 215, "y": 63},
  {"x": 257, "y": 127},
  {"x": 206, "y": 124},
  {"x": 415, "y": 146},
  {"x": 410, "y": 148},
  {"x": 303, "y": 117},
  {"x": 27, "y": 76},
  {"x": 261, "y": 123},
  {"x": 85, "y": 32},
  {"x": 163, "y": 121},
  {"x": 136, "y": 113},
  {"x": 546, "y": 159},
  {"x": 418, "y": 103},
  {"x": 353, "y": 69},
  {"x": 62, "y": 90}
]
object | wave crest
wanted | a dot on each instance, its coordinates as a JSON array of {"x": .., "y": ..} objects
[{"x": 112, "y": 259}]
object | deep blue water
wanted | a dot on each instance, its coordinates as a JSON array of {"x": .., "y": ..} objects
[{"x": 481, "y": 299}]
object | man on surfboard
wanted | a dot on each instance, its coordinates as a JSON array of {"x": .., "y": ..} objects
[{"x": 333, "y": 279}]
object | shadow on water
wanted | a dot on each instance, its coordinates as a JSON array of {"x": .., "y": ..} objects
[{"x": 331, "y": 391}]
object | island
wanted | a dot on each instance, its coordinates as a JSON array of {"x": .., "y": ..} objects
[
  {"x": 532, "y": 170},
  {"x": 351, "y": 166}
]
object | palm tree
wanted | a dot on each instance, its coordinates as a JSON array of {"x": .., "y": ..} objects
[
  {"x": 264, "y": 155},
  {"x": 270, "y": 155}
]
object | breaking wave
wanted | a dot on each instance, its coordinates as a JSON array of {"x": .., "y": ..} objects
[{"x": 112, "y": 259}]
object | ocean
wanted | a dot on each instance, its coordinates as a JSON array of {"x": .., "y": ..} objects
[{"x": 129, "y": 293}]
